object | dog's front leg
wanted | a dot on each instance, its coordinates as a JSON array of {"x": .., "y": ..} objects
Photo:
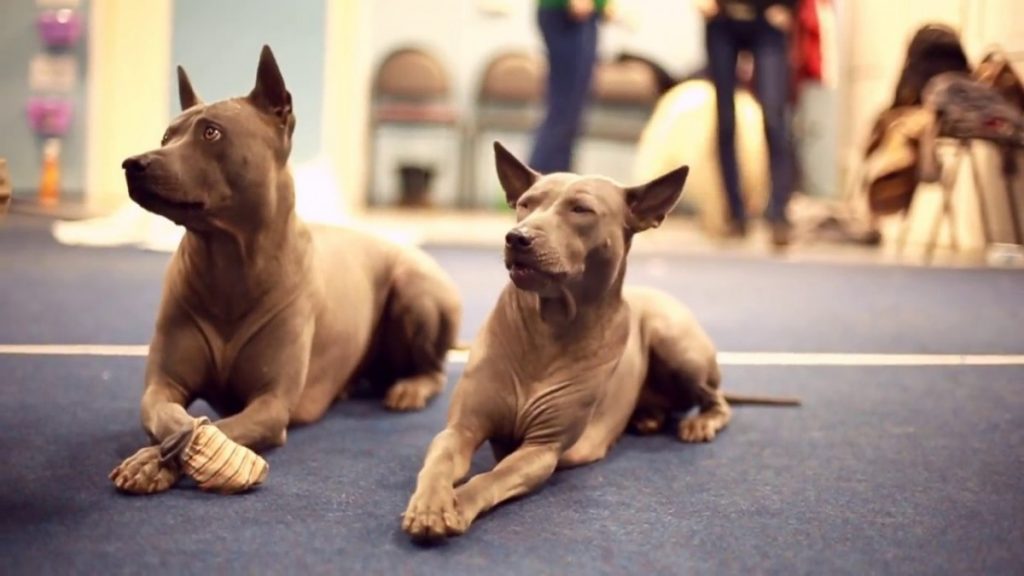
[
  {"x": 222, "y": 456},
  {"x": 177, "y": 365},
  {"x": 263, "y": 424},
  {"x": 431, "y": 512},
  {"x": 163, "y": 416},
  {"x": 269, "y": 374},
  {"x": 521, "y": 472}
]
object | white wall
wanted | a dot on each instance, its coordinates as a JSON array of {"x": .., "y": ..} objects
[{"x": 129, "y": 62}]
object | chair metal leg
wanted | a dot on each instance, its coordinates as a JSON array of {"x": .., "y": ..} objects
[
  {"x": 948, "y": 184},
  {"x": 467, "y": 173},
  {"x": 979, "y": 193},
  {"x": 950, "y": 214},
  {"x": 1010, "y": 179},
  {"x": 370, "y": 192},
  {"x": 901, "y": 239}
]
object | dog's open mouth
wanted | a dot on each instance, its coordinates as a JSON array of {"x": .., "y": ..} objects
[
  {"x": 528, "y": 275},
  {"x": 521, "y": 271},
  {"x": 155, "y": 202}
]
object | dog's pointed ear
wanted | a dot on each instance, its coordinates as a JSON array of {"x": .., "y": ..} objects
[
  {"x": 186, "y": 94},
  {"x": 650, "y": 203},
  {"x": 270, "y": 93},
  {"x": 515, "y": 177}
]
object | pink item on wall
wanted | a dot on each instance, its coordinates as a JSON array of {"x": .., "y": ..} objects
[
  {"x": 49, "y": 116},
  {"x": 59, "y": 28}
]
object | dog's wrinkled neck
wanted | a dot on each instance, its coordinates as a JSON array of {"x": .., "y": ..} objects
[
  {"x": 580, "y": 306},
  {"x": 563, "y": 335}
]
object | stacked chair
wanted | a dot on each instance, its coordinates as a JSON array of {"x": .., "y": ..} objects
[{"x": 411, "y": 89}]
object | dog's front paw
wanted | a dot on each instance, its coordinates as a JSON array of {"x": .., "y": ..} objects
[
  {"x": 145, "y": 473},
  {"x": 432, "y": 514},
  {"x": 219, "y": 464}
]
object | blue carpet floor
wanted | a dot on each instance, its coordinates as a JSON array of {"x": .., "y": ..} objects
[{"x": 916, "y": 470}]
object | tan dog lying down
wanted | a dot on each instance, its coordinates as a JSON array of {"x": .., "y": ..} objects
[
  {"x": 567, "y": 358},
  {"x": 264, "y": 317}
]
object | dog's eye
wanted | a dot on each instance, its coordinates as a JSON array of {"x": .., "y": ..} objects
[
  {"x": 166, "y": 138},
  {"x": 211, "y": 133},
  {"x": 581, "y": 209}
]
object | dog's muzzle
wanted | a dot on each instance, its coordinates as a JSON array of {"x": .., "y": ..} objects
[
  {"x": 527, "y": 269},
  {"x": 518, "y": 240},
  {"x": 136, "y": 165},
  {"x": 149, "y": 189}
]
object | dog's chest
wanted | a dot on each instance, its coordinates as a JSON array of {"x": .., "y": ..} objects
[
  {"x": 240, "y": 351},
  {"x": 557, "y": 408}
]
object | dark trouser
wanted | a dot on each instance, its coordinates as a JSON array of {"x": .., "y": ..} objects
[
  {"x": 572, "y": 51},
  {"x": 768, "y": 45}
]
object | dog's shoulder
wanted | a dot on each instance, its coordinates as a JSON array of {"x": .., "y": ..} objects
[
  {"x": 644, "y": 297},
  {"x": 370, "y": 248},
  {"x": 649, "y": 303},
  {"x": 358, "y": 236}
]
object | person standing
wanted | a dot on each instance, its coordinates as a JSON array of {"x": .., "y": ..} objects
[
  {"x": 761, "y": 28},
  {"x": 569, "y": 29}
]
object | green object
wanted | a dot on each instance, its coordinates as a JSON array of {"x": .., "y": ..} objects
[{"x": 564, "y": 4}]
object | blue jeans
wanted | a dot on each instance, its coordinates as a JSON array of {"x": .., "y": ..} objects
[
  {"x": 572, "y": 52},
  {"x": 768, "y": 45}
]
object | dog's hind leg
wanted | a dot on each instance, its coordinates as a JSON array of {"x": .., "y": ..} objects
[
  {"x": 685, "y": 374},
  {"x": 423, "y": 329},
  {"x": 650, "y": 414},
  {"x": 713, "y": 412}
]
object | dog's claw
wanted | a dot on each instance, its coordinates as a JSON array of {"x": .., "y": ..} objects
[
  {"x": 144, "y": 473},
  {"x": 454, "y": 524},
  {"x": 432, "y": 515}
]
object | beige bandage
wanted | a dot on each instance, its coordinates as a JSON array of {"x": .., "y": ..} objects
[{"x": 219, "y": 464}]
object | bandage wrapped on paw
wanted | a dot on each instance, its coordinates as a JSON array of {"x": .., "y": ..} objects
[{"x": 219, "y": 464}]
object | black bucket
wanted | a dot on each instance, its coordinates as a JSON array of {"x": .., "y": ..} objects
[{"x": 415, "y": 182}]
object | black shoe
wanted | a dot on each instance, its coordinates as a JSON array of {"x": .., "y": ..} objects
[
  {"x": 736, "y": 229},
  {"x": 781, "y": 234}
]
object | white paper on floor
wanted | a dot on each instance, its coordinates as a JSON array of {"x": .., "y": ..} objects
[{"x": 318, "y": 199}]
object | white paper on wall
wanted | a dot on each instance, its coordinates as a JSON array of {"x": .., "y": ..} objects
[{"x": 52, "y": 73}]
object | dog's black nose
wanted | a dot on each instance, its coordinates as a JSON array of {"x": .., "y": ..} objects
[
  {"x": 518, "y": 239},
  {"x": 135, "y": 164}
]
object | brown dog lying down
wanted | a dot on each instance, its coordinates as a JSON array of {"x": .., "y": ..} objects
[
  {"x": 267, "y": 319},
  {"x": 568, "y": 359}
]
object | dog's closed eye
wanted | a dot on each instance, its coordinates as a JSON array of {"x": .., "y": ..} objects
[
  {"x": 582, "y": 209},
  {"x": 525, "y": 204}
]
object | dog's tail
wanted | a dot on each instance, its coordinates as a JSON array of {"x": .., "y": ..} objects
[{"x": 740, "y": 399}]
